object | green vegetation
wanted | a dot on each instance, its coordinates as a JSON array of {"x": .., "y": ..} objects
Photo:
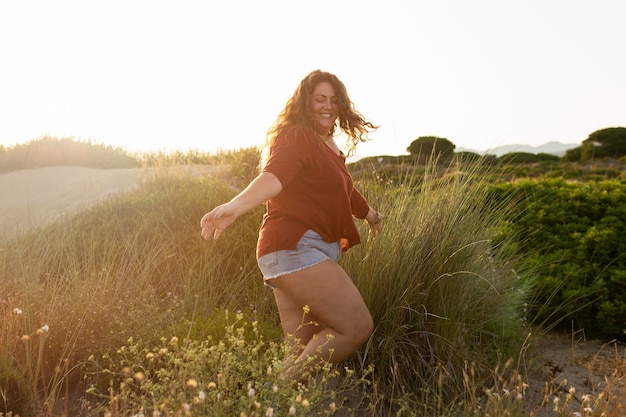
[
  {"x": 122, "y": 309},
  {"x": 437, "y": 248},
  {"x": 425, "y": 147},
  {"x": 574, "y": 232},
  {"x": 603, "y": 143}
]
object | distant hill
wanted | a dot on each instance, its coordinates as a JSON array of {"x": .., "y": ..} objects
[{"x": 553, "y": 148}]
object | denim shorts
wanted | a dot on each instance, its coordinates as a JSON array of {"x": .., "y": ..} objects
[{"x": 311, "y": 250}]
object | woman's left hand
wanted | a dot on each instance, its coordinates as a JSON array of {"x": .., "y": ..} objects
[{"x": 374, "y": 220}]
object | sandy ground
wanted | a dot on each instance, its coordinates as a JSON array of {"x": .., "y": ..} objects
[
  {"x": 35, "y": 197},
  {"x": 561, "y": 362}
]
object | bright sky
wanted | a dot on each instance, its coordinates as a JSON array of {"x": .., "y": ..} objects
[{"x": 179, "y": 75}]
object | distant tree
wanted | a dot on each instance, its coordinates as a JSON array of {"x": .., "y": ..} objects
[
  {"x": 548, "y": 157},
  {"x": 572, "y": 155},
  {"x": 604, "y": 143},
  {"x": 467, "y": 157},
  {"x": 427, "y": 146},
  {"x": 519, "y": 158}
]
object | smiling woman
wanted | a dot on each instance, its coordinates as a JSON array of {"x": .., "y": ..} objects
[{"x": 311, "y": 205}]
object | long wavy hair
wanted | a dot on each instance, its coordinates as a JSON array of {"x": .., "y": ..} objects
[{"x": 297, "y": 111}]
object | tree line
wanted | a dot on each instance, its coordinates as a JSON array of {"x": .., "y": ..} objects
[{"x": 601, "y": 144}]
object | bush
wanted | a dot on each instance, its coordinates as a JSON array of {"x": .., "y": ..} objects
[
  {"x": 520, "y": 158},
  {"x": 574, "y": 232}
]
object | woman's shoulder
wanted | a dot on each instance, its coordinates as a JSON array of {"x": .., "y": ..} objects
[{"x": 296, "y": 133}]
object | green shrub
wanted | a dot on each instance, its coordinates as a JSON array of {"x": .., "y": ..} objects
[
  {"x": 519, "y": 158},
  {"x": 574, "y": 232}
]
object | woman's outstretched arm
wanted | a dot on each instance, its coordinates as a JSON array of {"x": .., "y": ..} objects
[{"x": 265, "y": 186}]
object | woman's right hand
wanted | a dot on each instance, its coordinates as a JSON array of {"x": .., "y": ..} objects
[
  {"x": 265, "y": 186},
  {"x": 217, "y": 220}
]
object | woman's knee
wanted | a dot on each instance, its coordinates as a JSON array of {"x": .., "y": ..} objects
[{"x": 362, "y": 328}]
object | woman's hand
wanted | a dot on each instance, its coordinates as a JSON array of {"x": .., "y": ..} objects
[
  {"x": 374, "y": 220},
  {"x": 265, "y": 186},
  {"x": 218, "y": 219}
]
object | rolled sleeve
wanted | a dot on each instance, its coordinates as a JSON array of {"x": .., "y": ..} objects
[{"x": 360, "y": 206}]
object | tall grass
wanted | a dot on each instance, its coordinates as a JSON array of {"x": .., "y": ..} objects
[
  {"x": 126, "y": 300},
  {"x": 133, "y": 266},
  {"x": 442, "y": 293}
]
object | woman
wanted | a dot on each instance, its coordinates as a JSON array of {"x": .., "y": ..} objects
[{"x": 311, "y": 201}]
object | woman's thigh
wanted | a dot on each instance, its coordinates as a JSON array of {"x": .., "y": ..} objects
[
  {"x": 294, "y": 321},
  {"x": 329, "y": 293}
]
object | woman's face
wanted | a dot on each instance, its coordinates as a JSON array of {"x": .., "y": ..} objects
[{"x": 324, "y": 107}]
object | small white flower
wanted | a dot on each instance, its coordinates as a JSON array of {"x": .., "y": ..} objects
[
  {"x": 201, "y": 395},
  {"x": 45, "y": 328},
  {"x": 251, "y": 392},
  {"x": 17, "y": 311}
]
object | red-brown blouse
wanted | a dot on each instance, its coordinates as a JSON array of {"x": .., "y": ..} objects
[{"x": 318, "y": 194}]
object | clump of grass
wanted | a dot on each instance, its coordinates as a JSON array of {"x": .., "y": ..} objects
[{"x": 442, "y": 293}]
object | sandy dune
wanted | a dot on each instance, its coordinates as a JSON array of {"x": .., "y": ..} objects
[{"x": 35, "y": 197}]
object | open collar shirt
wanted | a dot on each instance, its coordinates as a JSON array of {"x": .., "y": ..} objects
[{"x": 317, "y": 193}]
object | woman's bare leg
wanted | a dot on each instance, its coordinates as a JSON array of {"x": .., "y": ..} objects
[
  {"x": 298, "y": 326},
  {"x": 334, "y": 301}
]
